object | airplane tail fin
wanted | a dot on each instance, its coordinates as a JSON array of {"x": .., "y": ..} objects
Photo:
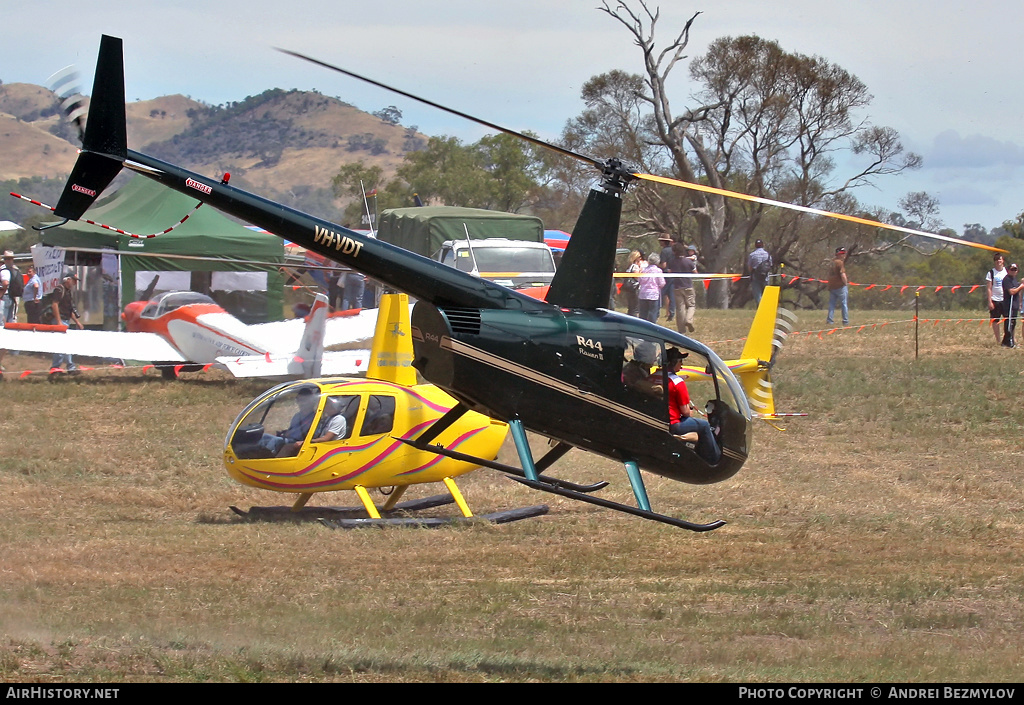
[
  {"x": 392, "y": 353},
  {"x": 105, "y": 142},
  {"x": 769, "y": 330},
  {"x": 311, "y": 347}
]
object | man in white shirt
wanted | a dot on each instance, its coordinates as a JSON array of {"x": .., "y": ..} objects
[{"x": 994, "y": 291}]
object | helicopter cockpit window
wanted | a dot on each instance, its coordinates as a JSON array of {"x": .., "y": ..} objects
[
  {"x": 643, "y": 383},
  {"x": 338, "y": 418},
  {"x": 279, "y": 425},
  {"x": 640, "y": 362},
  {"x": 380, "y": 415}
]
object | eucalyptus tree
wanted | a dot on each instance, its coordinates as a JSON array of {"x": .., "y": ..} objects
[{"x": 761, "y": 120}]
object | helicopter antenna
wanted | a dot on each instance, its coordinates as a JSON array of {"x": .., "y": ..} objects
[
  {"x": 476, "y": 267},
  {"x": 366, "y": 205}
]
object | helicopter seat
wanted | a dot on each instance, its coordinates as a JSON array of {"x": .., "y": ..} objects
[{"x": 246, "y": 441}]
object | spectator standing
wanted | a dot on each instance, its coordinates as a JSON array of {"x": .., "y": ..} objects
[
  {"x": 759, "y": 262},
  {"x": 650, "y": 289},
  {"x": 684, "y": 261},
  {"x": 1011, "y": 304},
  {"x": 994, "y": 289},
  {"x": 631, "y": 284},
  {"x": 837, "y": 287},
  {"x": 12, "y": 284},
  {"x": 33, "y": 295},
  {"x": 59, "y": 309},
  {"x": 355, "y": 287},
  {"x": 668, "y": 291}
]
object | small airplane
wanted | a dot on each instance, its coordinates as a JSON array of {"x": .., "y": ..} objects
[
  {"x": 366, "y": 450},
  {"x": 187, "y": 331},
  {"x": 553, "y": 367}
]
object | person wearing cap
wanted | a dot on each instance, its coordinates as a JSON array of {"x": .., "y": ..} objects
[
  {"x": 684, "y": 261},
  {"x": 681, "y": 412},
  {"x": 668, "y": 291},
  {"x": 636, "y": 373},
  {"x": 62, "y": 311},
  {"x": 759, "y": 262},
  {"x": 837, "y": 287},
  {"x": 994, "y": 290},
  {"x": 1011, "y": 304}
]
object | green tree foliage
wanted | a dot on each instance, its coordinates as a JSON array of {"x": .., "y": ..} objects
[
  {"x": 766, "y": 121},
  {"x": 497, "y": 173}
]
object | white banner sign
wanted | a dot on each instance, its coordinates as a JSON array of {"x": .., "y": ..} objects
[{"x": 49, "y": 264}]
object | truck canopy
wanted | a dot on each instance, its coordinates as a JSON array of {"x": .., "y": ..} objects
[{"x": 423, "y": 230}]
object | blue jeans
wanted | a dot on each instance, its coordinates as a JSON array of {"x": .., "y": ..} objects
[
  {"x": 355, "y": 286},
  {"x": 707, "y": 446},
  {"x": 649, "y": 309},
  {"x": 838, "y": 296},
  {"x": 757, "y": 288},
  {"x": 61, "y": 359}
]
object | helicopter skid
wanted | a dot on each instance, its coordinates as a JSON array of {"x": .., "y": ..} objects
[
  {"x": 505, "y": 517},
  {"x": 315, "y": 513},
  {"x": 619, "y": 507},
  {"x": 502, "y": 467}
]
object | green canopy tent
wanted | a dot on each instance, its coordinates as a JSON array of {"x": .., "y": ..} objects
[{"x": 207, "y": 253}]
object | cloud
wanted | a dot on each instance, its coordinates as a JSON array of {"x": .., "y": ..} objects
[{"x": 951, "y": 151}]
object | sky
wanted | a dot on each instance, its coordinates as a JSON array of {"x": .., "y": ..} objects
[{"x": 946, "y": 75}]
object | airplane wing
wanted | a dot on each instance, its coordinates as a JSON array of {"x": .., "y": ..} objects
[
  {"x": 343, "y": 362},
  {"x": 147, "y": 347}
]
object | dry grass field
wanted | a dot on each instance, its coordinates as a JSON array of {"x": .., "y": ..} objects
[{"x": 877, "y": 539}]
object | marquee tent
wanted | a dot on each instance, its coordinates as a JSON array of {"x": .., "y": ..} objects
[{"x": 208, "y": 252}]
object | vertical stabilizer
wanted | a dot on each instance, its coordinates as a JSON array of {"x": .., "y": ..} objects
[
  {"x": 584, "y": 276},
  {"x": 311, "y": 347},
  {"x": 392, "y": 354},
  {"x": 764, "y": 341},
  {"x": 762, "y": 331},
  {"x": 105, "y": 143}
]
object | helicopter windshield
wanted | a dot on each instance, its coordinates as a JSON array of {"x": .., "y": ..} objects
[
  {"x": 278, "y": 425},
  {"x": 293, "y": 416}
]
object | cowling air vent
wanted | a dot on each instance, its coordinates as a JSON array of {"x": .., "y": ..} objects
[{"x": 463, "y": 320}]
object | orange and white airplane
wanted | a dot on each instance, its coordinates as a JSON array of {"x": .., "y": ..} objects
[{"x": 184, "y": 330}]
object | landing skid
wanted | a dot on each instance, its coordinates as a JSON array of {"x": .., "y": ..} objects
[
  {"x": 504, "y": 517},
  {"x": 619, "y": 507},
  {"x": 502, "y": 467},
  {"x": 316, "y": 513}
]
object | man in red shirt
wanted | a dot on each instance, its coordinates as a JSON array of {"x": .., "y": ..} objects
[{"x": 682, "y": 420}]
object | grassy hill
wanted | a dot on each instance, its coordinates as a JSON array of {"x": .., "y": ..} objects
[{"x": 285, "y": 145}]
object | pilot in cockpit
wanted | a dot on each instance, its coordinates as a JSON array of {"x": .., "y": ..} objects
[{"x": 286, "y": 443}]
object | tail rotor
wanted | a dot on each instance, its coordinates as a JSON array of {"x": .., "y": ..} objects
[{"x": 65, "y": 83}]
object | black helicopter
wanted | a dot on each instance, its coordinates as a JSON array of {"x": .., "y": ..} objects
[{"x": 552, "y": 367}]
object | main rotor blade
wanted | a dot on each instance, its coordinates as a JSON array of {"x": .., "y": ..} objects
[
  {"x": 479, "y": 121},
  {"x": 813, "y": 211}
]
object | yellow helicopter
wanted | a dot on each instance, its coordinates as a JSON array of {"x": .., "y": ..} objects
[{"x": 335, "y": 433}]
